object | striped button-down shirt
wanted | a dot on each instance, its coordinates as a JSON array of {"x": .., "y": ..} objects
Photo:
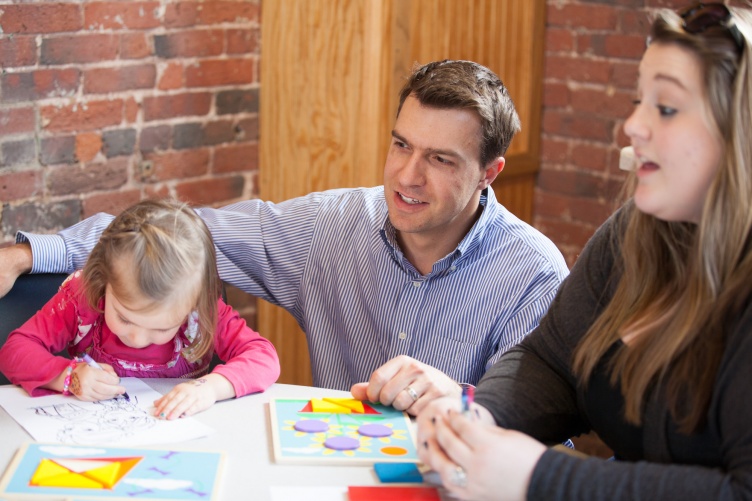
[{"x": 332, "y": 260}]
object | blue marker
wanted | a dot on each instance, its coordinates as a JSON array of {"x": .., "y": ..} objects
[
  {"x": 93, "y": 363},
  {"x": 468, "y": 394}
]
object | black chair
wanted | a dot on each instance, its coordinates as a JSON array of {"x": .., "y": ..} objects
[{"x": 28, "y": 295}]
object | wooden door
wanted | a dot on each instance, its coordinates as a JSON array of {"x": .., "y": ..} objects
[{"x": 330, "y": 74}]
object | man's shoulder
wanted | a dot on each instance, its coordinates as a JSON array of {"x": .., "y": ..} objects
[{"x": 507, "y": 230}]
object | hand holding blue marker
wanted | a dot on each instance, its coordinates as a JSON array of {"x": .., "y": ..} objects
[{"x": 93, "y": 363}]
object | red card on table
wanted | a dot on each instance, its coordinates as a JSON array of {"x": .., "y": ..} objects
[{"x": 383, "y": 493}]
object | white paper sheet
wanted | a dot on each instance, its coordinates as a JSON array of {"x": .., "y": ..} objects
[
  {"x": 116, "y": 422},
  {"x": 289, "y": 493}
]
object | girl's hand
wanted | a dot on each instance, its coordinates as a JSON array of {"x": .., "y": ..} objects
[
  {"x": 477, "y": 460},
  {"x": 90, "y": 384},
  {"x": 193, "y": 396}
]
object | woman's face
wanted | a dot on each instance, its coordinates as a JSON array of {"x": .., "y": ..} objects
[{"x": 678, "y": 150}]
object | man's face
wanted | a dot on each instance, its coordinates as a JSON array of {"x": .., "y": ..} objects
[{"x": 433, "y": 177}]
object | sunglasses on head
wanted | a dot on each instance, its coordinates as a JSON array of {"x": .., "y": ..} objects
[{"x": 701, "y": 16}]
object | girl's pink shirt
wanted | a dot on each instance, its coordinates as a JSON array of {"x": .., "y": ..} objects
[{"x": 66, "y": 322}]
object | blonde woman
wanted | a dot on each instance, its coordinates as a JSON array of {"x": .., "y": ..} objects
[{"x": 649, "y": 341}]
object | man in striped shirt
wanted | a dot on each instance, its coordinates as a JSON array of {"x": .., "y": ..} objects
[{"x": 404, "y": 290}]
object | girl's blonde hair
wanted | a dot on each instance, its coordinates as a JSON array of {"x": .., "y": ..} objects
[
  {"x": 682, "y": 285},
  {"x": 172, "y": 254}
]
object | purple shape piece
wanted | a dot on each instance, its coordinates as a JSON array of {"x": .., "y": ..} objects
[
  {"x": 375, "y": 430},
  {"x": 342, "y": 443},
  {"x": 311, "y": 426}
]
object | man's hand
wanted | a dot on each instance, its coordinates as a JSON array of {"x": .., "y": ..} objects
[
  {"x": 14, "y": 261},
  {"x": 406, "y": 384}
]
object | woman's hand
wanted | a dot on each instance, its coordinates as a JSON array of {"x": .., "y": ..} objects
[
  {"x": 193, "y": 396},
  {"x": 476, "y": 459}
]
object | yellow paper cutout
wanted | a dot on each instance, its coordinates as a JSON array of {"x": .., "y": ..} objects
[
  {"x": 320, "y": 405},
  {"x": 90, "y": 473},
  {"x": 350, "y": 403}
]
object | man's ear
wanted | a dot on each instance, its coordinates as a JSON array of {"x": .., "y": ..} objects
[{"x": 493, "y": 169}]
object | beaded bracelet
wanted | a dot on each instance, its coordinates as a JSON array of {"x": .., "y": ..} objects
[{"x": 68, "y": 372}]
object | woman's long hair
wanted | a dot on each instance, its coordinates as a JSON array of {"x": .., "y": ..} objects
[{"x": 682, "y": 285}]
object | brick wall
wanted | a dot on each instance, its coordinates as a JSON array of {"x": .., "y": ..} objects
[
  {"x": 593, "y": 49},
  {"x": 105, "y": 103}
]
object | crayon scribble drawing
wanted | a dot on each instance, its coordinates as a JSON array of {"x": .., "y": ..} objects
[
  {"x": 104, "y": 422},
  {"x": 122, "y": 421}
]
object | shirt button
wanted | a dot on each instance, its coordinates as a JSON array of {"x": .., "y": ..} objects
[
  {"x": 402, "y": 336},
  {"x": 416, "y": 284},
  {"x": 453, "y": 268}
]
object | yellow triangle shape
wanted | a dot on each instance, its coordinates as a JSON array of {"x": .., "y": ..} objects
[
  {"x": 81, "y": 465},
  {"x": 46, "y": 469},
  {"x": 350, "y": 403},
  {"x": 70, "y": 479},
  {"x": 320, "y": 405},
  {"x": 105, "y": 475}
]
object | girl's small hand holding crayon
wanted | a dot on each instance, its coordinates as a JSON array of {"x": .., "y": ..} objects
[
  {"x": 93, "y": 384},
  {"x": 193, "y": 396}
]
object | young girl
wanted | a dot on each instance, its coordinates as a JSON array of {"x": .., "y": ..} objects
[
  {"x": 147, "y": 304},
  {"x": 649, "y": 341}
]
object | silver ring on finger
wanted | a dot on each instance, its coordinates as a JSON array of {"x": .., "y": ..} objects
[
  {"x": 459, "y": 477},
  {"x": 412, "y": 393}
]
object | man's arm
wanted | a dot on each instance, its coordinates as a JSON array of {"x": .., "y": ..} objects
[{"x": 14, "y": 261}]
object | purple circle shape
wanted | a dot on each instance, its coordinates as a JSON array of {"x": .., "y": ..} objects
[
  {"x": 375, "y": 430},
  {"x": 311, "y": 426},
  {"x": 342, "y": 443}
]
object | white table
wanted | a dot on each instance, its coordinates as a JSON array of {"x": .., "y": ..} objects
[{"x": 242, "y": 432}]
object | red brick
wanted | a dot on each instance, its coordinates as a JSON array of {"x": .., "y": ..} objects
[
  {"x": 16, "y": 120},
  {"x": 39, "y": 84},
  {"x": 577, "y": 125},
  {"x": 17, "y": 51},
  {"x": 178, "y": 164},
  {"x": 236, "y": 158},
  {"x": 156, "y": 191},
  {"x": 121, "y": 78},
  {"x": 553, "y": 150},
  {"x": 171, "y": 76},
  {"x": 572, "y": 183},
  {"x": 134, "y": 46},
  {"x": 624, "y": 74},
  {"x": 619, "y": 46},
  {"x": 244, "y": 41},
  {"x": 121, "y": 15},
  {"x": 247, "y": 129},
  {"x": 603, "y": 102},
  {"x": 192, "y": 43},
  {"x": 130, "y": 112},
  {"x": 219, "y": 72},
  {"x": 82, "y": 116},
  {"x": 593, "y": 17},
  {"x": 46, "y": 18},
  {"x": 559, "y": 40},
  {"x": 217, "y": 12},
  {"x": 112, "y": 202},
  {"x": 160, "y": 107},
  {"x": 555, "y": 95},
  {"x": 565, "y": 233},
  {"x": 590, "y": 156},
  {"x": 211, "y": 191},
  {"x": 21, "y": 184},
  {"x": 88, "y": 145},
  {"x": 77, "y": 179},
  {"x": 577, "y": 69},
  {"x": 181, "y": 14},
  {"x": 634, "y": 21},
  {"x": 80, "y": 49}
]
